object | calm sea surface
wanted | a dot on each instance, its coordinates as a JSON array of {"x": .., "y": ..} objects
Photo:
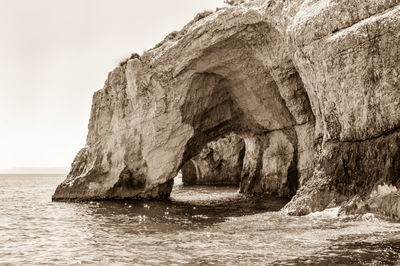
[{"x": 201, "y": 225}]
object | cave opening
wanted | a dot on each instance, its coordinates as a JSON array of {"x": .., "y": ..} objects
[{"x": 237, "y": 96}]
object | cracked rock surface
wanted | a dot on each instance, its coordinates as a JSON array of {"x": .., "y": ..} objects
[{"x": 312, "y": 86}]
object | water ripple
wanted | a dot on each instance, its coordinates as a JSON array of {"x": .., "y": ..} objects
[{"x": 201, "y": 225}]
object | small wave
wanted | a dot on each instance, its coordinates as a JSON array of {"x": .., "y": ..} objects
[{"x": 327, "y": 213}]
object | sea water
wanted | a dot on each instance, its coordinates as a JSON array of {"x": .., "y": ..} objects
[{"x": 200, "y": 225}]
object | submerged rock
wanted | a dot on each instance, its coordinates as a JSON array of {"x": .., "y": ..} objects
[
  {"x": 312, "y": 86},
  {"x": 219, "y": 163}
]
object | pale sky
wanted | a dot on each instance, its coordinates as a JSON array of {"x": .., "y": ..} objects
[{"x": 55, "y": 53}]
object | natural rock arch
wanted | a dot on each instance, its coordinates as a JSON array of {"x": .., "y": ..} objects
[
  {"x": 283, "y": 72},
  {"x": 227, "y": 87}
]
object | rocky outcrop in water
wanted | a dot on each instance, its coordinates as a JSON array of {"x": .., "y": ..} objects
[
  {"x": 219, "y": 163},
  {"x": 313, "y": 86}
]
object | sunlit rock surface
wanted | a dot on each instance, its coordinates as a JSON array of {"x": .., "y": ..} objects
[
  {"x": 219, "y": 163},
  {"x": 312, "y": 86}
]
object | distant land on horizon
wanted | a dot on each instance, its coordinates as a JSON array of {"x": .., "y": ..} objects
[{"x": 34, "y": 171}]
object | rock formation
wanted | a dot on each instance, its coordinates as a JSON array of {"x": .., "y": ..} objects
[
  {"x": 219, "y": 163},
  {"x": 276, "y": 163},
  {"x": 313, "y": 86}
]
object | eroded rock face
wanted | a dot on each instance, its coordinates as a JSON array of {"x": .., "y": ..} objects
[
  {"x": 313, "y": 86},
  {"x": 351, "y": 73},
  {"x": 219, "y": 163}
]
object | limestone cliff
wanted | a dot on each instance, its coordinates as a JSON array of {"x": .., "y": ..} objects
[
  {"x": 313, "y": 86},
  {"x": 220, "y": 162}
]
